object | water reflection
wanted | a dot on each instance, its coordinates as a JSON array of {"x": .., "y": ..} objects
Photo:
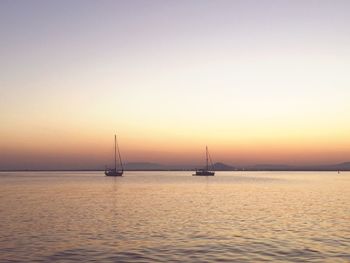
[{"x": 172, "y": 216}]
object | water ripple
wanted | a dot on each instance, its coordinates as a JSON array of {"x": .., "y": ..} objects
[{"x": 174, "y": 217}]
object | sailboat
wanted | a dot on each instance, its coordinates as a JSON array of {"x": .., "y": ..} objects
[
  {"x": 205, "y": 171},
  {"x": 115, "y": 171}
]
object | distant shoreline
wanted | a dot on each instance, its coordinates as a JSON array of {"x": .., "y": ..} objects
[
  {"x": 218, "y": 166},
  {"x": 169, "y": 170}
]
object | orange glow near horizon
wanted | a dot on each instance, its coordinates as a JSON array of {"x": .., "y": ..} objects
[
  {"x": 173, "y": 148},
  {"x": 262, "y": 89}
]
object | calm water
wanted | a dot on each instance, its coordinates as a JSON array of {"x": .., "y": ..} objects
[{"x": 175, "y": 217}]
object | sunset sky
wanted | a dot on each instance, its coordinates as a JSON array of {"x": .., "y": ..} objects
[{"x": 257, "y": 81}]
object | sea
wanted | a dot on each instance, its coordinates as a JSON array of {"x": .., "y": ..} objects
[{"x": 168, "y": 216}]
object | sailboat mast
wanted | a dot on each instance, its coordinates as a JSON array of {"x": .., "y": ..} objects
[
  {"x": 120, "y": 158},
  {"x": 115, "y": 152},
  {"x": 206, "y": 154}
]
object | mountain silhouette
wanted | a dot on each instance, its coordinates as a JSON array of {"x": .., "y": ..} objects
[
  {"x": 142, "y": 166},
  {"x": 223, "y": 167}
]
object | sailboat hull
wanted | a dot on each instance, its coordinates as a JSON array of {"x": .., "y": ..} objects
[
  {"x": 204, "y": 173},
  {"x": 113, "y": 173}
]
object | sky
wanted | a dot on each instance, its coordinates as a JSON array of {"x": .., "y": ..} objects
[{"x": 257, "y": 81}]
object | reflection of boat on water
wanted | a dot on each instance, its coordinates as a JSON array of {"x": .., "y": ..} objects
[
  {"x": 115, "y": 171},
  {"x": 206, "y": 171}
]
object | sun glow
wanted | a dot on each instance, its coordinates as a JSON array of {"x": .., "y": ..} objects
[{"x": 255, "y": 90}]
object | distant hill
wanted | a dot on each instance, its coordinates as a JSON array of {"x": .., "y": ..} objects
[
  {"x": 147, "y": 166},
  {"x": 282, "y": 167},
  {"x": 144, "y": 166},
  {"x": 333, "y": 167},
  {"x": 343, "y": 166},
  {"x": 223, "y": 167},
  {"x": 270, "y": 167},
  {"x": 139, "y": 166}
]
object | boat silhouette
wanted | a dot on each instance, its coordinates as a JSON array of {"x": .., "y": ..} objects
[
  {"x": 205, "y": 171},
  {"x": 114, "y": 171}
]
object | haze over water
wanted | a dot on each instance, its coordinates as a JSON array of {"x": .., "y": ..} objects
[{"x": 175, "y": 217}]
